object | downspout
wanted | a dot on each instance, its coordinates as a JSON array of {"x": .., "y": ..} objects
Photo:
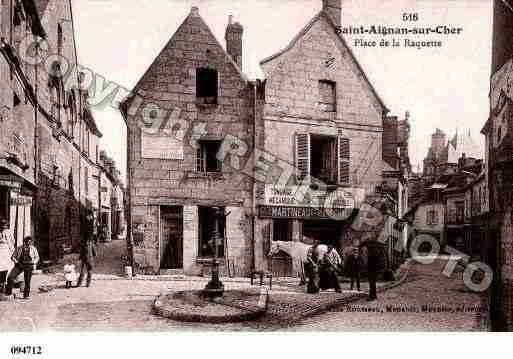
[
  {"x": 253, "y": 215},
  {"x": 36, "y": 141},
  {"x": 130, "y": 240}
]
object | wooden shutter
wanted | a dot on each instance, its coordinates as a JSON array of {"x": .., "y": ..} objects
[
  {"x": 302, "y": 155},
  {"x": 344, "y": 156},
  {"x": 200, "y": 159}
]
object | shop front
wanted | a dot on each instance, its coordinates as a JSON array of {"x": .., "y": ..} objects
[
  {"x": 184, "y": 238},
  {"x": 16, "y": 205},
  {"x": 310, "y": 217}
]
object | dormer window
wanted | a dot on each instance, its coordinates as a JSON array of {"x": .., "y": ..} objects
[{"x": 206, "y": 86}]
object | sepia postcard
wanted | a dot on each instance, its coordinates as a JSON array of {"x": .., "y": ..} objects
[{"x": 293, "y": 166}]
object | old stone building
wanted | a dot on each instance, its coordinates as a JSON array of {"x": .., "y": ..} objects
[
  {"x": 178, "y": 187},
  {"x": 499, "y": 160},
  {"x": 220, "y": 163},
  {"x": 323, "y": 115},
  {"x": 49, "y": 137},
  {"x": 111, "y": 218}
]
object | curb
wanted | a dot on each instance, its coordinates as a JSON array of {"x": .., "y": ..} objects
[{"x": 160, "y": 309}]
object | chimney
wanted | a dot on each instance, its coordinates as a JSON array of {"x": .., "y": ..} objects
[
  {"x": 333, "y": 8},
  {"x": 233, "y": 37},
  {"x": 194, "y": 11}
]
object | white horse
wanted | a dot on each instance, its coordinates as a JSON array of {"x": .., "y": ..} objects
[{"x": 298, "y": 251}]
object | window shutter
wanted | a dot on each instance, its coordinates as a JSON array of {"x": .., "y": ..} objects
[
  {"x": 344, "y": 155},
  {"x": 200, "y": 163},
  {"x": 302, "y": 155}
]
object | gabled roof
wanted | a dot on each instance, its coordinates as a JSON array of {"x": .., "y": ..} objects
[
  {"x": 194, "y": 13},
  {"x": 304, "y": 31}
]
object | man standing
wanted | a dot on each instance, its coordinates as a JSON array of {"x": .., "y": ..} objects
[
  {"x": 25, "y": 260},
  {"x": 6, "y": 251},
  {"x": 354, "y": 265},
  {"x": 312, "y": 271},
  {"x": 87, "y": 249},
  {"x": 373, "y": 254}
]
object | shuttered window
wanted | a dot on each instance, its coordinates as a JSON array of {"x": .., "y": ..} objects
[
  {"x": 325, "y": 158},
  {"x": 302, "y": 155},
  {"x": 344, "y": 155}
]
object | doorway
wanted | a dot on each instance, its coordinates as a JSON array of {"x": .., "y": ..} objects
[
  {"x": 171, "y": 237},
  {"x": 322, "y": 231}
]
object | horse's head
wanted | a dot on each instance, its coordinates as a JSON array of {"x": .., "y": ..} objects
[{"x": 275, "y": 248}]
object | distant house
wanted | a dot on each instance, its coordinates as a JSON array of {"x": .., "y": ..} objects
[
  {"x": 427, "y": 216},
  {"x": 443, "y": 155},
  {"x": 445, "y": 210}
]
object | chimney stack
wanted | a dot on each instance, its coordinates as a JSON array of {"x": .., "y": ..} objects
[
  {"x": 233, "y": 37},
  {"x": 333, "y": 8}
]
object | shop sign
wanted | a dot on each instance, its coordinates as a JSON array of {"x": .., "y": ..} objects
[
  {"x": 10, "y": 181},
  {"x": 21, "y": 201},
  {"x": 296, "y": 196},
  {"x": 161, "y": 147},
  {"x": 304, "y": 212}
]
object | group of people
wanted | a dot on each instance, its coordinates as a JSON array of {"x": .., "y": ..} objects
[
  {"x": 322, "y": 269},
  {"x": 25, "y": 258}
]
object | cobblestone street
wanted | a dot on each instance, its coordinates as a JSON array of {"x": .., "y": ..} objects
[
  {"x": 115, "y": 303},
  {"x": 426, "y": 286}
]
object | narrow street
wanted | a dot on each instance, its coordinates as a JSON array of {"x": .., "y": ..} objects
[
  {"x": 115, "y": 303},
  {"x": 426, "y": 285}
]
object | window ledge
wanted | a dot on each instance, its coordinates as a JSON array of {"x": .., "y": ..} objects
[
  {"x": 215, "y": 175},
  {"x": 200, "y": 103},
  {"x": 208, "y": 260}
]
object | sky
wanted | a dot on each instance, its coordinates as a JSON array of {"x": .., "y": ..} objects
[{"x": 444, "y": 87}]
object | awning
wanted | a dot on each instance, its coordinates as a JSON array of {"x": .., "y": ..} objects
[{"x": 13, "y": 180}]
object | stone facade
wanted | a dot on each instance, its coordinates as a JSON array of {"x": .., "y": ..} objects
[
  {"x": 299, "y": 82},
  {"x": 58, "y": 142},
  {"x": 498, "y": 249},
  {"x": 171, "y": 177},
  {"x": 257, "y": 125}
]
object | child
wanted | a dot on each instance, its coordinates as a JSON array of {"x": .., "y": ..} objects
[
  {"x": 69, "y": 274},
  {"x": 25, "y": 259}
]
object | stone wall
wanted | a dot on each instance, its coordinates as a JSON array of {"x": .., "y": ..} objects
[
  {"x": 292, "y": 105},
  {"x": 170, "y": 85},
  {"x": 292, "y": 101},
  {"x": 63, "y": 190}
]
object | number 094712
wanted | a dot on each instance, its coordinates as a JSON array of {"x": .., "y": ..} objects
[{"x": 26, "y": 350}]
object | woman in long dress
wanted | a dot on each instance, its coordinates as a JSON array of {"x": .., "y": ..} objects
[{"x": 6, "y": 250}]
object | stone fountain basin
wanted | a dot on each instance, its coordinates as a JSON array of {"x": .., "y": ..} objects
[{"x": 194, "y": 306}]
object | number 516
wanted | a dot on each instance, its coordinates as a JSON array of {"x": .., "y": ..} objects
[{"x": 410, "y": 16}]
